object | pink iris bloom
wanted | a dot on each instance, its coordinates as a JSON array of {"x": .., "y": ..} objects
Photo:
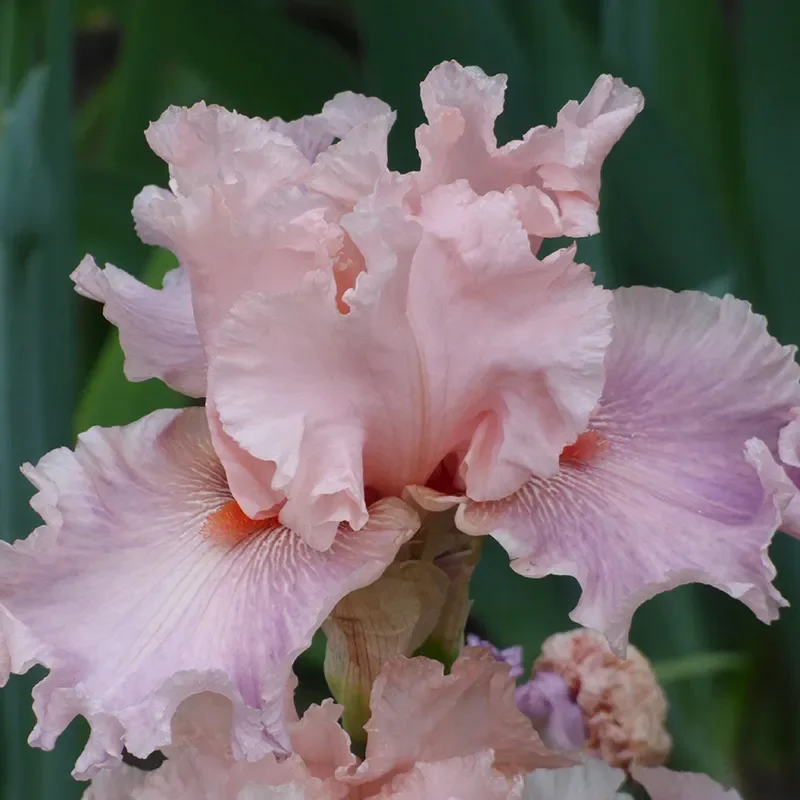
[
  {"x": 359, "y": 336},
  {"x": 374, "y": 324}
]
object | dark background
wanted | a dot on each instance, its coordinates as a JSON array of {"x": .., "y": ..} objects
[{"x": 700, "y": 193}]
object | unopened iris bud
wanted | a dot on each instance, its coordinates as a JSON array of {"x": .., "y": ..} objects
[{"x": 582, "y": 696}]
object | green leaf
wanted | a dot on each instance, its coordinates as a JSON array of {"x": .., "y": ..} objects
[
  {"x": 133, "y": 86},
  {"x": 524, "y": 612},
  {"x": 698, "y": 665},
  {"x": 109, "y": 398},
  {"x": 255, "y": 57},
  {"x": 770, "y": 116},
  {"x": 104, "y": 224},
  {"x": 686, "y": 73},
  {"x": 38, "y": 345},
  {"x": 684, "y": 69},
  {"x": 769, "y": 63},
  {"x": 662, "y": 219}
]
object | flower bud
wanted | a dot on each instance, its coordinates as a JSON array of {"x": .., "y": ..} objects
[{"x": 623, "y": 706}]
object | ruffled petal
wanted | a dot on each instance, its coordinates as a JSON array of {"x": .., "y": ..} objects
[
  {"x": 380, "y": 395},
  {"x": 593, "y": 780},
  {"x": 117, "y": 783},
  {"x": 193, "y": 774},
  {"x": 157, "y": 330},
  {"x": 421, "y": 714},
  {"x": 199, "y": 763},
  {"x": 150, "y": 585},
  {"x": 231, "y": 246},
  {"x": 664, "y": 784},
  {"x": 208, "y": 145},
  {"x": 254, "y": 203},
  {"x": 466, "y": 778},
  {"x": 461, "y": 105},
  {"x": 779, "y": 470},
  {"x": 553, "y": 173},
  {"x": 311, "y": 134},
  {"x": 349, "y": 170},
  {"x": 775, "y": 478},
  {"x": 590, "y": 129},
  {"x": 658, "y": 492},
  {"x": 249, "y": 478}
]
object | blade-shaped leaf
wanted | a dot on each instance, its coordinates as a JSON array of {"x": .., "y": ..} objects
[{"x": 38, "y": 348}]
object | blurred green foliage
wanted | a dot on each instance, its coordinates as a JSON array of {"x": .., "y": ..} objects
[{"x": 701, "y": 193}]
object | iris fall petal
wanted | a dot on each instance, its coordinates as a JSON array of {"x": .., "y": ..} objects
[
  {"x": 658, "y": 492},
  {"x": 148, "y": 584}
]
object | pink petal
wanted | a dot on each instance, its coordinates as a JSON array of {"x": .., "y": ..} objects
[
  {"x": 421, "y": 714},
  {"x": 658, "y": 492},
  {"x": 776, "y": 479},
  {"x": 311, "y": 134},
  {"x": 209, "y": 145},
  {"x": 253, "y": 201},
  {"x": 157, "y": 330},
  {"x": 231, "y": 246},
  {"x": 593, "y": 780},
  {"x": 663, "y": 784},
  {"x": 590, "y": 129},
  {"x": 781, "y": 473},
  {"x": 465, "y": 778},
  {"x": 200, "y": 763},
  {"x": 348, "y": 111},
  {"x": 380, "y": 395},
  {"x": 553, "y": 173},
  {"x": 151, "y": 585},
  {"x": 118, "y": 783},
  {"x": 321, "y": 742},
  {"x": 789, "y": 442},
  {"x": 249, "y": 479},
  {"x": 348, "y": 170},
  {"x": 345, "y": 113}
]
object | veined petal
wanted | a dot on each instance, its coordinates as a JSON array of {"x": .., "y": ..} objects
[
  {"x": 157, "y": 330},
  {"x": 664, "y": 784},
  {"x": 150, "y": 585},
  {"x": 380, "y": 395},
  {"x": 658, "y": 492},
  {"x": 553, "y": 173},
  {"x": 421, "y": 714}
]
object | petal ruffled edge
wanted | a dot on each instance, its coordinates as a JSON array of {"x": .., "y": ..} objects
[
  {"x": 157, "y": 328},
  {"x": 717, "y": 371}
]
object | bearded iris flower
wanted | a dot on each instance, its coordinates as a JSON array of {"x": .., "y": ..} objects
[{"x": 372, "y": 347}]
